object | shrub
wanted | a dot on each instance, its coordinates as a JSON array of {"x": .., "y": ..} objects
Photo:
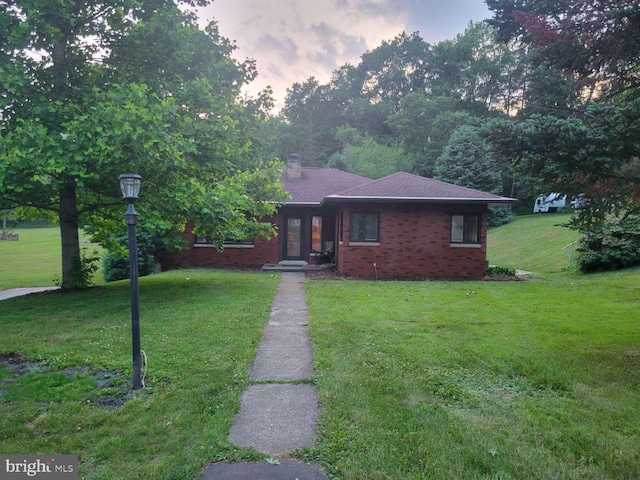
[
  {"x": 84, "y": 267},
  {"x": 614, "y": 246},
  {"x": 500, "y": 216},
  {"x": 115, "y": 265},
  {"x": 496, "y": 270}
]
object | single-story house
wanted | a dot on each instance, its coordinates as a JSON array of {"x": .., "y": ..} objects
[{"x": 402, "y": 226}]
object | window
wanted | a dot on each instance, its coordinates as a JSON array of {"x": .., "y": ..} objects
[
  {"x": 203, "y": 241},
  {"x": 316, "y": 234},
  {"x": 242, "y": 243},
  {"x": 364, "y": 227},
  {"x": 465, "y": 229},
  {"x": 207, "y": 241}
]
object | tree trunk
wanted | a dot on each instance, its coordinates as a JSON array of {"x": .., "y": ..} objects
[{"x": 69, "y": 235}]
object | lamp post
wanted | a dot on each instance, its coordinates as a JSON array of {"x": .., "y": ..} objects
[{"x": 130, "y": 186}]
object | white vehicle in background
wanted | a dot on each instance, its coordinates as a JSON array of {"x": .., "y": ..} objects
[
  {"x": 549, "y": 203},
  {"x": 579, "y": 202}
]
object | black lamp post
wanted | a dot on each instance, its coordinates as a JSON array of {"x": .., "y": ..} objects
[{"x": 130, "y": 185}]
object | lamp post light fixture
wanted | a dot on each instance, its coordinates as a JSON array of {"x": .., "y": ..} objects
[{"x": 130, "y": 185}]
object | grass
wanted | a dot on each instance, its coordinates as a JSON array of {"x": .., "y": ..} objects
[
  {"x": 533, "y": 243},
  {"x": 35, "y": 259},
  {"x": 495, "y": 380},
  {"x": 200, "y": 331},
  {"x": 438, "y": 380}
]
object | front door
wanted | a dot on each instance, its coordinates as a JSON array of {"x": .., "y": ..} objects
[{"x": 294, "y": 238}]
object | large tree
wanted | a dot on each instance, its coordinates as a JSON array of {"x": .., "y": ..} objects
[
  {"x": 576, "y": 143},
  {"x": 424, "y": 125},
  {"x": 313, "y": 114},
  {"x": 363, "y": 155},
  {"x": 595, "y": 154},
  {"x": 93, "y": 89},
  {"x": 596, "y": 40},
  {"x": 466, "y": 161}
]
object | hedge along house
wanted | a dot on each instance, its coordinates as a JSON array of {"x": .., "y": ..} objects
[{"x": 402, "y": 226}]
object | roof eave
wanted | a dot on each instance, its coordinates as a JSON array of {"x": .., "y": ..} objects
[
  {"x": 302, "y": 204},
  {"x": 501, "y": 201}
]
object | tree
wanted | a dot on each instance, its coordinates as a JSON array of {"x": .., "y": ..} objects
[
  {"x": 595, "y": 155},
  {"x": 95, "y": 89},
  {"x": 313, "y": 113},
  {"x": 364, "y": 156},
  {"x": 586, "y": 141},
  {"x": 549, "y": 91},
  {"x": 466, "y": 161},
  {"x": 425, "y": 124},
  {"x": 394, "y": 69},
  {"x": 596, "y": 40}
]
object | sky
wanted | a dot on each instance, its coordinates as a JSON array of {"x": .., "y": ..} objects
[{"x": 292, "y": 40}]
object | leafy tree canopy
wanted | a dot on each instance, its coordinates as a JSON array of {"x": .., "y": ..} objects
[
  {"x": 595, "y": 155},
  {"x": 597, "y": 40},
  {"x": 363, "y": 155},
  {"x": 94, "y": 89}
]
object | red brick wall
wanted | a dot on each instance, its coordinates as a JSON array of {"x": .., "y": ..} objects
[
  {"x": 415, "y": 243},
  {"x": 263, "y": 251}
]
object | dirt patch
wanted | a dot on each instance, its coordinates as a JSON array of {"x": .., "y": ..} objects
[
  {"x": 111, "y": 383},
  {"x": 18, "y": 364}
]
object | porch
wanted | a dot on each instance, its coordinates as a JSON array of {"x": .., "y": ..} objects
[{"x": 298, "y": 267}]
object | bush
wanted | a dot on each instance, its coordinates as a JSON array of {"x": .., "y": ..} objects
[
  {"x": 500, "y": 216},
  {"x": 614, "y": 246},
  {"x": 495, "y": 270},
  {"x": 84, "y": 267},
  {"x": 115, "y": 265}
]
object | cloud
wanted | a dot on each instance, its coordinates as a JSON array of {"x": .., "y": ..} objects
[
  {"x": 292, "y": 40},
  {"x": 285, "y": 47},
  {"x": 377, "y": 7},
  {"x": 334, "y": 45}
]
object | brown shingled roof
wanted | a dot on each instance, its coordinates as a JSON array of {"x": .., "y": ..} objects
[
  {"x": 328, "y": 185},
  {"x": 317, "y": 183},
  {"x": 405, "y": 187}
]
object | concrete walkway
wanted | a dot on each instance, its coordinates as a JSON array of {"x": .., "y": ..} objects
[
  {"x": 276, "y": 416},
  {"x": 18, "y": 292}
]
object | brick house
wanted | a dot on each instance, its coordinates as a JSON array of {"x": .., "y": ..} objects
[{"x": 402, "y": 226}]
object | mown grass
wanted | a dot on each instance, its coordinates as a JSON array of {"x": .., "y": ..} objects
[
  {"x": 533, "y": 243},
  {"x": 438, "y": 380},
  {"x": 35, "y": 259},
  {"x": 479, "y": 379},
  {"x": 200, "y": 331}
]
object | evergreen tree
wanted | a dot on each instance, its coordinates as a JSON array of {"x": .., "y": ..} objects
[{"x": 466, "y": 161}]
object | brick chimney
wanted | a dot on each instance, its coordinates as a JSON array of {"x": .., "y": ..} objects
[{"x": 294, "y": 166}]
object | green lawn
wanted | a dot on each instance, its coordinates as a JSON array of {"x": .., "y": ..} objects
[
  {"x": 533, "y": 243},
  {"x": 199, "y": 330},
  {"x": 437, "y": 380},
  {"x": 35, "y": 259},
  {"x": 495, "y": 380}
]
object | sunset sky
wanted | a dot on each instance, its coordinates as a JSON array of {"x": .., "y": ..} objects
[{"x": 292, "y": 40}]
